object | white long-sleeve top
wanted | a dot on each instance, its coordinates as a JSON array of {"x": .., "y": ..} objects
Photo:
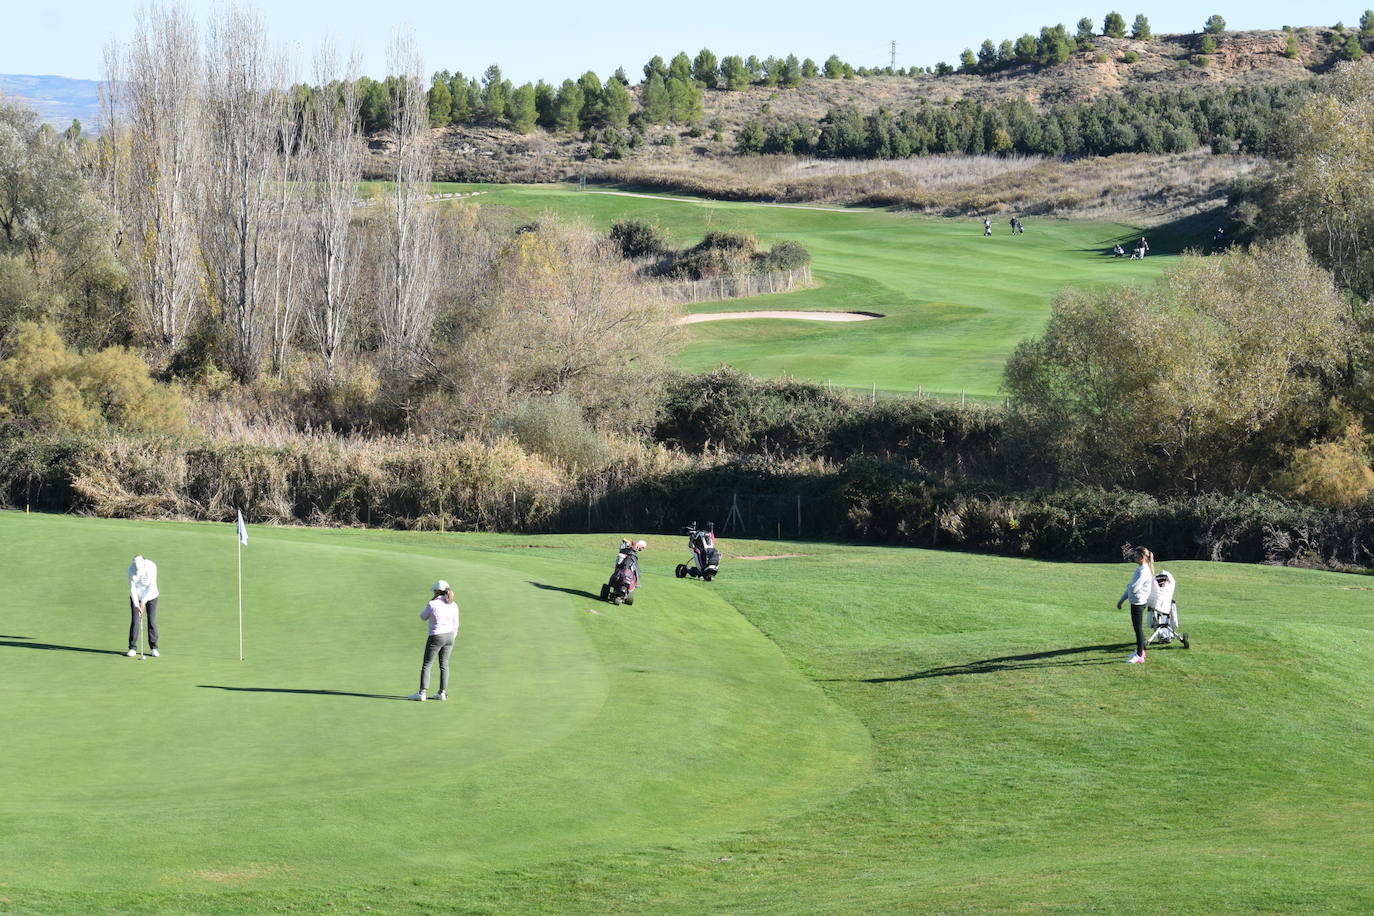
[
  {"x": 142, "y": 580},
  {"x": 442, "y": 617},
  {"x": 1141, "y": 588}
]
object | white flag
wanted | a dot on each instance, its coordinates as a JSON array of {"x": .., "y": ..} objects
[{"x": 243, "y": 529}]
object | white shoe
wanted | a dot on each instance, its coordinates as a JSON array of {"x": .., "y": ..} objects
[
  {"x": 417, "y": 696},
  {"x": 153, "y": 653},
  {"x": 131, "y": 653},
  {"x": 1136, "y": 659},
  {"x": 441, "y": 695}
]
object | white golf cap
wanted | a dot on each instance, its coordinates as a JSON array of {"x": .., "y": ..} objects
[{"x": 441, "y": 586}]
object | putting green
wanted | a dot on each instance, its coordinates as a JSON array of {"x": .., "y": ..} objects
[
  {"x": 569, "y": 732},
  {"x": 956, "y": 303}
]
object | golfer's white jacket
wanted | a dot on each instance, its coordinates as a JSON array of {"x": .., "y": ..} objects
[
  {"x": 1141, "y": 589},
  {"x": 143, "y": 581}
]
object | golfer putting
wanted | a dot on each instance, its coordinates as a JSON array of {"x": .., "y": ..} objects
[
  {"x": 442, "y": 614},
  {"x": 142, "y": 603}
]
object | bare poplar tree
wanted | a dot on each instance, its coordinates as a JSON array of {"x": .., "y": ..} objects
[
  {"x": 243, "y": 98},
  {"x": 287, "y": 232},
  {"x": 333, "y": 153},
  {"x": 153, "y": 89},
  {"x": 406, "y": 305}
]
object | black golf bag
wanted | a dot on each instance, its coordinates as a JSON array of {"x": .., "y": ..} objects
[
  {"x": 624, "y": 578},
  {"x": 705, "y": 562}
]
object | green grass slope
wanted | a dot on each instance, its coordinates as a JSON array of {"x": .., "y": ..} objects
[
  {"x": 956, "y": 303},
  {"x": 569, "y": 732},
  {"x": 701, "y": 753}
]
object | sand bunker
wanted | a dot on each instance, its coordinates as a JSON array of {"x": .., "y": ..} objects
[{"x": 794, "y": 315}]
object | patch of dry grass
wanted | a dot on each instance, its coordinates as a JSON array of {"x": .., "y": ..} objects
[{"x": 1140, "y": 186}]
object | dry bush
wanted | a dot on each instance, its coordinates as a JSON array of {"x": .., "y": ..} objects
[{"x": 1335, "y": 474}]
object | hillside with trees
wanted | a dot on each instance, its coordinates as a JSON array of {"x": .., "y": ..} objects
[{"x": 1100, "y": 89}]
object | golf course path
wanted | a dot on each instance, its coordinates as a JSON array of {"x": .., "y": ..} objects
[{"x": 778, "y": 313}]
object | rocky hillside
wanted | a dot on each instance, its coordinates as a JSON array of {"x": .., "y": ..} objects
[{"x": 1241, "y": 59}]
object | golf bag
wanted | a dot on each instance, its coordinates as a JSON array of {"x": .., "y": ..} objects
[
  {"x": 705, "y": 562},
  {"x": 625, "y": 577},
  {"x": 1163, "y": 617}
]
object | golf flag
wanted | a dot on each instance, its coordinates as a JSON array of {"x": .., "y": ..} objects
[{"x": 238, "y": 549}]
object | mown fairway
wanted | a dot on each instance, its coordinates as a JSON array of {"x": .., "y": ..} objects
[
  {"x": 854, "y": 729},
  {"x": 956, "y": 303}
]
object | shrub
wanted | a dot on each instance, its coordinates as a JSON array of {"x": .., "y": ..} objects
[
  {"x": 788, "y": 256},
  {"x": 555, "y": 428},
  {"x": 1130, "y": 57},
  {"x": 43, "y": 383},
  {"x": 1335, "y": 474},
  {"x": 637, "y": 238}
]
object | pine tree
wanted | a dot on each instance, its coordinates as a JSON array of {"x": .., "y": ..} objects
[
  {"x": 593, "y": 99},
  {"x": 680, "y": 67},
  {"x": 655, "y": 65},
  {"x": 987, "y": 56},
  {"x": 734, "y": 73},
  {"x": 543, "y": 104},
  {"x": 705, "y": 70},
  {"x": 493, "y": 93},
  {"x": 1114, "y": 25},
  {"x": 684, "y": 100},
  {"x": 809, "y": 69},
  {"x": 618, "y": 103},
  {"x": 567, "y": 108},
  {"x": 834, "y": 67},
  {"x": 440, "y": 101},
  {"x": 967, "y": 62},
  {"x": 654, "y": 99},
  {"x": 522, "y": 110},
  {"x": 1140, "y": 28},
  {"x": 1085, "y": 30},
  {"x": 790, "y": 72},
  {"x": 1215, "y": 25}
]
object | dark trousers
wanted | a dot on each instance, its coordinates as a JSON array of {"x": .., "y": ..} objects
[
  {"x": 1138, "y": 621},
  {"x": 149, "y": 608},
  {"x": 442, "y": 646}
]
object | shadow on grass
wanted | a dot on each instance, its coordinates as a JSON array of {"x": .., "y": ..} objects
[
  {"x": 1054, "y": 658},
  {"x": 319, "y": 693},
  {"x": 7, "y": 641},
  {"x": 569, "y": 591}
]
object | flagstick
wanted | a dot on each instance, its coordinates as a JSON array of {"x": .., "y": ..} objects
[{"x": 239, "y": 549}]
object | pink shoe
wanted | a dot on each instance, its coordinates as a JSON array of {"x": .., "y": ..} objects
[{"x": 1136, "y": 659}]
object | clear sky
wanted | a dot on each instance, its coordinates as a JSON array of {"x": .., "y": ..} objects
[{"x": 537, "y": 39}]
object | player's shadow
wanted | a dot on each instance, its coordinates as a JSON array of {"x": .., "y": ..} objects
[
  {"x": 321, "y": 693},
  {"x": 9, "y": 642},
  {"x": 570, "y": 591},
  {"x": 1053, "y": 658}
]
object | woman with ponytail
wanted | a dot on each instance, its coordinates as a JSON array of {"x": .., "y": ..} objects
[{"x": 1138, "y": 592}]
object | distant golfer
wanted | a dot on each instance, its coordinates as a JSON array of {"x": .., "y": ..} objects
[
  {"x": 1140, "y": 591},
  {"x": 987, "y": 226},
  {"x": 442, "y": 614},
  {"x": 142, "y": 603}
]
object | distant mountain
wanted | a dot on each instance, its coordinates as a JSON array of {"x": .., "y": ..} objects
[{"x": 57, "y": 99}]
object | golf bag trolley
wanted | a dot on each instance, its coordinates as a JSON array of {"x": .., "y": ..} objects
[
  {"x": 1164, "y": 618},
  {"x": 705, "y": 562},
  {"x": 620, "y": 589}
]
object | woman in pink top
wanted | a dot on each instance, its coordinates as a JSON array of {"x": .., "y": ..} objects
[{"x": 442, "y": 614}]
